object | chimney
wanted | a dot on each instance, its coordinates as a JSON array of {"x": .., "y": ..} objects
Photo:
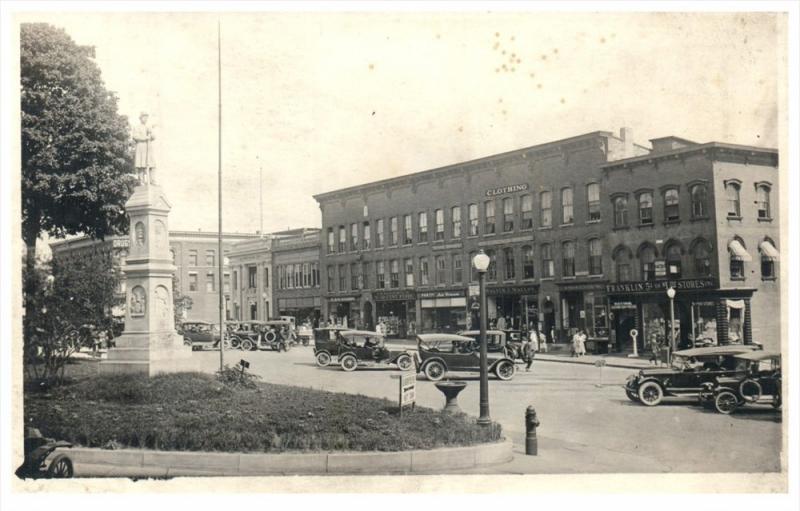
[{"x": 626, "y": 134}]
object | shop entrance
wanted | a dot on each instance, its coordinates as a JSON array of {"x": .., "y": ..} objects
[
  {"x": 624, "y": 322},
  {"x": 368, "y": 323},
  {"x": 549, "y": 319},
  {"x": 397, "y": 316}
]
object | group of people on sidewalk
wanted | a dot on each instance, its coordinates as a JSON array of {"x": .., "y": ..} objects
[{"x": 579, "y": 343}]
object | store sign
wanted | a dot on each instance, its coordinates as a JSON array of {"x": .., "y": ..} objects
[
  {"x": 622, "y": 305},
  {"x": 335, "y": 299},
  {"x": 394, "y": 295},
  {"x": 452, "y": 293},
  {"x": 661, "y": 268},
  {"x": 661, "y": 286},
  {"x": 493, "y": 192},
  {"x": 512, "y": 290},
  {"x": 473, "y": 290}
]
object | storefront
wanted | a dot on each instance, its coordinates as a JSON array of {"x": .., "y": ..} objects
[
  {"x": 704, "y": 314},
  {"x": 584, "y": 306},
  {"x": 397, "y": 311},
  {"x": 306, "y": 308},
  {"x": 344, "y": 310},
  {"x": 443, "y": 310},
  {"x": 517, "y": 304}
]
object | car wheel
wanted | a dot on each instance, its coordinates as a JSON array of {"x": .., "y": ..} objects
[
  {"x": 726, "y": 402},
  {"x": 404, "y": 362},
  {"x": 632, "y": 395},
  {"x": 348, "y": 363},
  {"x": 504, "y": 370},
  {"x": 60, "y": 467},
  {"x": 323, "y": 358},
  {"x": 236, "y": 343},
  {"x": 246, "y": 345},
  {"x": 650, "y": 393},
  {"x": 434, "y": 371},
  {"x": 750, "y": 390},
  {"x": 776, "y": 402}
]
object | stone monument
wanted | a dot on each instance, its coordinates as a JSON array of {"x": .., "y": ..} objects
[{"x": 149, "y": 343}]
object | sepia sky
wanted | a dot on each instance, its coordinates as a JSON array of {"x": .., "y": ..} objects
[{"x": 323, "y": 101}]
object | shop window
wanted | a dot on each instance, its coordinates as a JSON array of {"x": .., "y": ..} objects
[
  {"x": 379, "y": 233},
  {"x": 508, "y": 214},
  {"x": 732, "y": 194},
  {"x": 567, "y": 216},
  {"x": 455, "y": 221},
  {"x": 546, "y": 209},
  {"x": 673, "y": 261},
  {"x": 366, "y": 241},
  {"x": 621, "y": 212},
  {"x": 526, "y": 207},
  {"x": 441, "y": 277},
  {"x": 193, "y": 258},
  {"x": 422, "y": 233},
  {"x": 458, "y": 275},
  {"x": 769, "y": 254},
  {"x": 671, "y": 205},
  {"x": 491, "y": 272},
  {"x": 473, "y": 219},
  {"x": 647, "y": 259},
  {"x": 595, "y": 309},
  {"x": 738, "y": 256},
  {"x": 568, "y": 259},
  {"x": 424, "y": 276},
  {"x": 508, "y": 263},
  {"x": 331, "y": 241},
  {"x": 439, "y": 215},
  {"x": 762, "y": 202},
  {"x": 645, "y": 208},
  {"x": 394, "y": 273},
  {"x": 548, "y": 265},
  {"x": 393, "y": 231},
  {"x": 408, "y": 233},
  {"x": 252, "y": 277},
  {"x": 699, "y": 195},
  {"x": 342, "y": 277},
  {"x": 380, "y": 275},
  {"x": 593, "y": 201},
  {"x": 595, "y": 257},
  {"x": 409, "y": 265},
  {"x": 735, "y": 321},
  {"x": 704, "y": 328},
  {"x": 622, "y": 260},
  {"x": 210, "y": 258},
  {"x": 192, "y": 282},
  {"x": 330, "y": 276},
  {"x": 489, "y": 221},
  {"x": 527, "y": 262}
]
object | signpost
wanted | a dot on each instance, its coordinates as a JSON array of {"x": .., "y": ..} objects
[
  {"x": 407, "y": 390},
  {"x": 601, "y": 364}
]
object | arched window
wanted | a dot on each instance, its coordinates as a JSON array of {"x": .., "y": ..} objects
[
  {"x": 548, "y": 265},
  {"x": 699, "y": 195},
  {"x": 769, "y": 254},
  {"x": 527, "y": 262},
  {"x": 622, "y": 260},
  {"x": 595, "y": 257},
  {"x": 509, "y": 265},
  {"x": 732, "y": 194},
  {"x": 645, "y": 208},
  {"x": 762, "y": 202},
  {"x": 621, "y": 211},
  {"x": 568, "y": 259},
  {"x": 672, "y": 211},
  {"x": 738, "y": 256},
  {"x": 647, "y": 260},
  {"x": 673, "y": 260},
  {"x": 593, "y": 201},
  {"x": 701, "y": 254}
]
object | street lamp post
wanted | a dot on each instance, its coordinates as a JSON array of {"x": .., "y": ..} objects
[
  {"x": 481, "y": 263},
  {"x": 671, "y": 296}
]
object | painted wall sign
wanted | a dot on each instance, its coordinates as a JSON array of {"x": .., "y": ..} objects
[
  {"x": 661, "y": 286},
  {"x": 502, "y": 190},
  {"x": 342, "y": 298},
  {"x": 448, "y": 293},
  {"x": 512, "y": 290},
  {"x": 394, "y": 295}
]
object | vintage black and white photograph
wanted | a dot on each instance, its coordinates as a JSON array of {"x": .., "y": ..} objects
[{"x": 452, "y": 248}]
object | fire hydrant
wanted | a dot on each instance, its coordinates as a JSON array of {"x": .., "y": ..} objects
[{"x": 531, "y": 423}]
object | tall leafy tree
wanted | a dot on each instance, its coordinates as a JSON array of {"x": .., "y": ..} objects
[{"x": 76, "y": 153}]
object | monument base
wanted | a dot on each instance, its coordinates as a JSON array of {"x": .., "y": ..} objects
[{"x": 147, "y": 353}]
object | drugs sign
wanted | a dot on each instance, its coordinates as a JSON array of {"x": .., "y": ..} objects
[{"x": 408, "y": 389}]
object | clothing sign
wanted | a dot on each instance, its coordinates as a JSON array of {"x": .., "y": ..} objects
[{"x": 492, "y": 192}]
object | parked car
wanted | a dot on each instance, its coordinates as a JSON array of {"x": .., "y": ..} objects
[
  {"x": 496, "y": 340},
  {"x": 200, "y": 335},
  {"x": 326, "y": 344},
  {"x": 263, "y": 335},
  {"x": 761, "y": 383},
  {"x": 305, "y": 334},
  {"x": 440, "y": 353},
  {"x": 354, "y": 347},
  {"x": 690, "y": 369}
]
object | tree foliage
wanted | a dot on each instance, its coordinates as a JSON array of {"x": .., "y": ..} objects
[
  {"x": 70, "y": 308},
  {"x": 180, "y": 302},
  {"x": 76, "y": 154}
]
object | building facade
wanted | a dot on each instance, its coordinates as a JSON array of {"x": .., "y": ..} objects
[
  {"x": 250, "y": 264},
  {"x": 295, "y": 262},
  {"x": 400, "y": 250}
]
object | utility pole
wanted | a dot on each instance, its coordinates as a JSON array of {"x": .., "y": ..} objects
[{"x": 219, "y": 203}]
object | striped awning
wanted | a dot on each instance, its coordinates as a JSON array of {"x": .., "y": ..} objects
[
  {"x": 768, "y": 250},
  {"x": 738, "y": 252}
]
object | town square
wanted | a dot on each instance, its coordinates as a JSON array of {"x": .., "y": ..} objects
[{"x": 275, "y": 245}]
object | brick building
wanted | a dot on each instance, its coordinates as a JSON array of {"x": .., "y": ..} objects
[{"x": 400, "y": 249}]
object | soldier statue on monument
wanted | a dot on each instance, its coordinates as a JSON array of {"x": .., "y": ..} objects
[{"x": 145, "y": 158}]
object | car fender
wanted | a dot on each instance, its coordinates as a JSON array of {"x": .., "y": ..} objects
[
  {"x": 494, "y": 364},
  {"x": 348, "y": 352},
  {"x": 431, "y": 359},
  {"x": 642, "y": 381},
  {"x": 726, "y": 388},
  {"x": 394, "y": 357}
]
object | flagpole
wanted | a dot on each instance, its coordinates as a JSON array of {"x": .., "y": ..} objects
[{"x": 220, "y": 254}]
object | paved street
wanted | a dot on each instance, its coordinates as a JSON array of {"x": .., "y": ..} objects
[{"x": 587, "y": 424}]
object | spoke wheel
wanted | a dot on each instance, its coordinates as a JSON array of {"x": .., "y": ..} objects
[
  {"x": 504, "y": 370},
  {"x": 434, "y": 371},
  {"x": 404, "y": 362},
  {"x": 650, "y": 393},
  {"x": 750, "y": 390},
  {"x": 236, "y": 343},
  {"x": 726, "y": 402},
  {"x": 246, "y": 345},
  {"x": 60, "y": 467},
  {"x": 349, "y": 363},
  {"x": 323, "y": 358}
]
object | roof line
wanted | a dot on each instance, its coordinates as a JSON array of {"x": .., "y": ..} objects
[{"x": 688, "y": 149}]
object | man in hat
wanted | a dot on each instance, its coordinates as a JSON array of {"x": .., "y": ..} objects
[{"x": 145, "y": 158}]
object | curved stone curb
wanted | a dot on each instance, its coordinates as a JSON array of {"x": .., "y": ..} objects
[{"x": 145, "y": 463}]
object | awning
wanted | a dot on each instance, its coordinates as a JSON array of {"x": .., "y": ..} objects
[
  {"x": 735, "y": 304},
  {"x": 738, "y": 252},
  {"x": 768, "y": 250}
]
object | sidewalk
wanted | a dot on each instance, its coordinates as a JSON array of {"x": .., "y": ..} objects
[{"x": 611, "y": 360}]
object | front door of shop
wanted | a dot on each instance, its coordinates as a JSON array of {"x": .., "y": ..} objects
[
  {"x": 625, "y": 322},
  {"x": 368, "y": 322}
]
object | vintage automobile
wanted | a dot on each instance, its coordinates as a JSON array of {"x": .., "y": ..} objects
[
  {"x": 200, "y": 335},
  {"x": 761, "y": 383},
  {"x": 305, "y": 334},
  {"x": 263, "y": 335},
  {"x": 354, "y": 347},
  {"x": 689, "y": 370},
  {"x": 325, "y": 342},
  {"x": 440, "y": 353}
]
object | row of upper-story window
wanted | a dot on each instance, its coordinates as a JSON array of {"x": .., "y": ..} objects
[
  {"x": 507, "y": 264},
  {"x": 670, "y": 203},
  {"x": 193, "y": 255},
  {"x": 250, "y": 272},
  {"x": 298, "y": 275},
  {"x": 515, "y": 213},
  {"x": 210, "y": 282}
]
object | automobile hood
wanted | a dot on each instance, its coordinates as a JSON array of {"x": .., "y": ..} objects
[{"x": 655, "y": 372}]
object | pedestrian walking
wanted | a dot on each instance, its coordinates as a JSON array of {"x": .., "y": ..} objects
[
  {"x": 581, "y": 343},
  {"x": 530, "y": 348},
  {"x": 575, "y": 342}
]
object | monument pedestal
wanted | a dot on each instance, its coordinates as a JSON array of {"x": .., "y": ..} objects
[{"x": 149, "y": 344}]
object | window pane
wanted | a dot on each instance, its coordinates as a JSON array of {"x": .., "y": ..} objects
[
  {"x": 473, "y": 219},
  {"x": 566, "y": 206},
  {"x": 593, "y": 198},
  {"x": 545, "y": 200},
  {"x": 489, "y": 226}
]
